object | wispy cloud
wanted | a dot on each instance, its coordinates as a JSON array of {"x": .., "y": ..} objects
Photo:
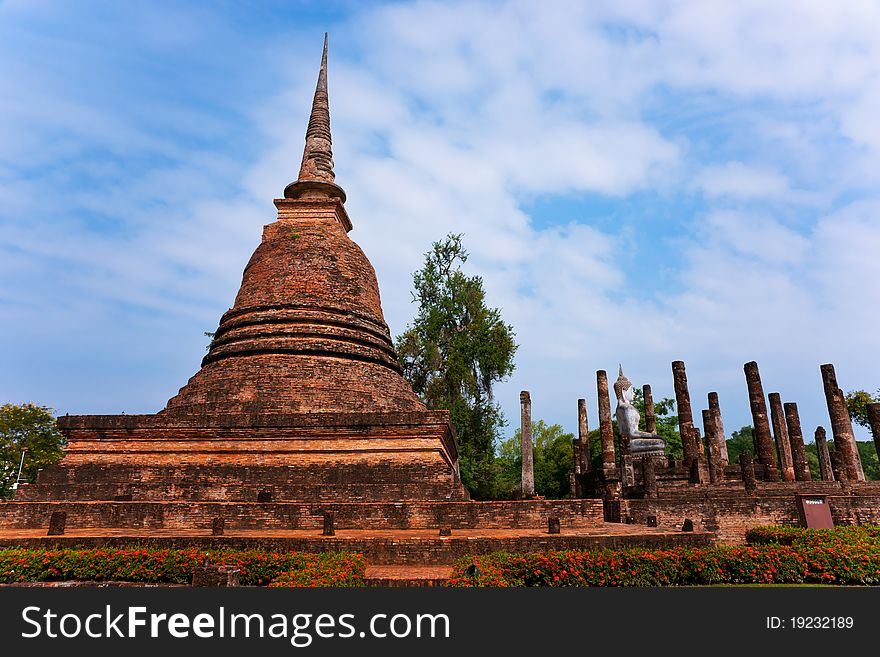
[{"x": 718, "y": 164}]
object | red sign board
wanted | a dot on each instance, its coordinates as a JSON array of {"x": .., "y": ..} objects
[{"x": 814, "y": 511}]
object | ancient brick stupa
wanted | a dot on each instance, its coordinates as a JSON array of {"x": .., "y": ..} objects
[{"x": 300, "y": 396}]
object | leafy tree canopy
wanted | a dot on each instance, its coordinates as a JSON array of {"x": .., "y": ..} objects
[
  {"x": 740, "y": 442},
  {"x": 857, "y": 404},
  {"x": 553, "y": 459},
  {"x": 453, "y": 352},
  {"x": 30, "y": 429}
]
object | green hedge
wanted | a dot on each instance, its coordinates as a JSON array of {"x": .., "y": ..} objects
[
  {"x": 176, "y": 566},
  {"x": 829, "y": 558},
  {"x": 777, "y": 535}
]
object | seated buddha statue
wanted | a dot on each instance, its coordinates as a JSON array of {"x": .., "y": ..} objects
[{"x": 633, "y": 441}]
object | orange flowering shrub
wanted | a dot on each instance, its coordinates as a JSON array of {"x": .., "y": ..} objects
[
  {"x": 828, "y": 563},
  {"x": 337, "y": 570},
  {"x": 257, "y": 567}
]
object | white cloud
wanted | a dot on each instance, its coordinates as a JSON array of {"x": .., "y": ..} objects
[
  {"x": 757, "y": 236},
  {"x": 737, "y": 180},
  {"x": 447, "y": 117}
]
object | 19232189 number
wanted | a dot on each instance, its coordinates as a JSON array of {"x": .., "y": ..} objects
[{"x": 821, "y": 622}]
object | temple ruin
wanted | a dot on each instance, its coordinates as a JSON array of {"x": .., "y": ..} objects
[
  {"x": 299, "y": 432},
  {"x": 705, "y": 489}
]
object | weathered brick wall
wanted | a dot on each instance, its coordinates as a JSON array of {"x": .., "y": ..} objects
[
  {"x": 270, "y": 516},
  {"x": 731, "y": 516},
  {"x": 410, "y": 476},
  {"x": 236, "y": 457},
  {"x": 395, "y": 549}
]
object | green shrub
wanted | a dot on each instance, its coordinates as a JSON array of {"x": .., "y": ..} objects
[{"x": 778, "y": 535}]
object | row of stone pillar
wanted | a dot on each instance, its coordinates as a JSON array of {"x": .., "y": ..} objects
[
  {"x": 716, "y": 443},
  {"x": 713, "y": 457},
  {"x": 581, "y": 444},
  {"x": 790, "y": 451},
  {"x": 784, "y": 446}
]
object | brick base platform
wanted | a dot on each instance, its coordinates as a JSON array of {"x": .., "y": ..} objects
[
  {"x": 407, "y": 576},
  {"x": 728, "y": 511},
  {"x": 245, "y": 457},
  {"x": 271, "y": 516},
  {"x": 400, "y": 547}
]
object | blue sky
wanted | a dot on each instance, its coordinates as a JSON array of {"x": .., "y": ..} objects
[{"x": 637, "y": 182}]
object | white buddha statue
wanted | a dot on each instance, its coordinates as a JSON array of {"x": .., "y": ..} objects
[{"x": 634, "y": 441}]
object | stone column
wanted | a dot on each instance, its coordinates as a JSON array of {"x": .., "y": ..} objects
[
  {"x": 695, "y": 474},
  {"x": 747, "y": 468},
  {"x": 780, "y": 433},
  {"x": 713, "y": 441},
  {"x": 837, "y": 464},
  {"x": 329, "y": 523},
  {"x": 719, "y": 425},
  {"x": 826, "y": 472},
  {"x": 528, "y": 468},
  {"x": 874, "y": 421},
  {"x": 711, "y": 460},
  {"x": 760, "y": 425},
  {"x": 57, "y": 523},
  {"x": 796, "y": 438},
  {"x": 650, "y": 419},
  {"x": 685, "y": 417},
  {"x": 606, "y": 430},
  {"x": 583, "y": 436},
  {"x": 700, "y": 460},
  {"x": 841, "y": 427}
]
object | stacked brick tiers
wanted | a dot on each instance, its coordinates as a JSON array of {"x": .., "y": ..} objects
[
  {"x": 306, "y": 333},
  {"x": 299, "y": 398},
  {"x": 316, "y": 457}
]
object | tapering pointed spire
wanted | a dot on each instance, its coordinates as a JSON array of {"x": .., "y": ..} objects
[
  {"x": 317, "y": 162},
  {"x": 316, "y": 172}
]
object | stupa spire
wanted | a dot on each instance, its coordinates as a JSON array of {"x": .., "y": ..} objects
[{"x": 316, "y": 177}]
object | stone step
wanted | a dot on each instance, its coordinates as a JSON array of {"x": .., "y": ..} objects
[
  {"x": 407, "y": 576},
  {"x": 196, "y": 491},
  {"x": 271, "y": 516},
  {"x": 401, "y": 547}
]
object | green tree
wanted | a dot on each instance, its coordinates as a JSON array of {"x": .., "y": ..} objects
[
  {"x": 868, "y": 455},
  {"x": 857, "y": 404},
  {"x": 30, "y": 429},
  {"x": 813, "y": 461},
  {"x": 508, "y": 466},
  {"x": 740, "y": 442},
  {"x": 553, "y": 459},
  {"x": 452, "y": 354}
]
